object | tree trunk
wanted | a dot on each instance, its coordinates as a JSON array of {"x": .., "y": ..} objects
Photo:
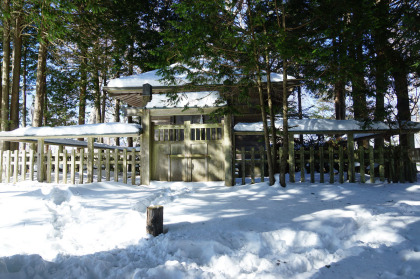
[
  {"x": 25, "y": 65},
  {"x": 40, "y": 86},
  {"x": 83, "y": 89},
  {"x": 97, "y": 86},
  {"x": 5, "y": 73},
  {"x": 17, "y": 59},
  {"x": 285, "y": 154}
]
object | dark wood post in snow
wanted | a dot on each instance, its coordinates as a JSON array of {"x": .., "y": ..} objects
[{"x": 154, "y": 224}]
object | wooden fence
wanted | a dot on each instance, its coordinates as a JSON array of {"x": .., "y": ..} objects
[
  {"x": 71, "y": 166},
  {"x": 332, "y": 164}
]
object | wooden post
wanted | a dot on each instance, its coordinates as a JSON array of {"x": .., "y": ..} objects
[
  {"x": 99, "y": 166},
  {"x": 350, "y": 149},
  {"x": 125, "y": 166},
  {"x": 107, "y": 165},
  {"x": 133, "y": 166},
  {"x": 302, "y": 164},
  {"x": 49, "y": 165},
  {"x": 312, "y": 163},
  {"x": 340, "y": 164},
  {"x": 362, "y": 164},
  {"x": 1, "y": 165},
  {"x": 23, "y": 165},
  {"x": 8, "y": 166},
  {"x": 381, "y": 163},
  {"x": 372, "y": 165},
  {"x": 154, "y": 224},
  {"x": 116, "y": 159},
  {"x": 331, "y": 159},
  {"x": 65, "y": 166},
  {"x": 262, "y": 162},
  {"x": 243, "y": 167},
  {"x": 146, "y": 148},
  {"x": 321, "y": 164},
  {"x": 400, "y": 165},
  {"x": 227, "y": 148},
  {"x": 82, "y": 158},
  {"x": 15, "y": 166},
  {"x": 31, "y": 164},
  {"x": 73, "y": 167},
  {"x": 252, "y": 165},
  {"x": 57, "y": 166},
  {"x": 90, "y": 160},
  {"x": 40, "y": 160},
  {"x": 291, "y": 158}
]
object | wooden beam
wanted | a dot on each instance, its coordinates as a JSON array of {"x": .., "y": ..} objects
[{"x": 227, "y": 147}]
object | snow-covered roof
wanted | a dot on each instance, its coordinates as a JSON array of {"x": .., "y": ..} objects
[
  {"x": 154, "y": 79},
  {"x": 75, "y": 131},
  {"x": 324, "y": 126},
  {"x": 187, "y": 99}
]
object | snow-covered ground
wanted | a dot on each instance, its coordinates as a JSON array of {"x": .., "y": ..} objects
[{"x": 212, "y": 231}]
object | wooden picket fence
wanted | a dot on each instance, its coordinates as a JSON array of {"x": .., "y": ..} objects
[
  {"x": 338, "y": 164},
  {"x": 73, "y": 166}
]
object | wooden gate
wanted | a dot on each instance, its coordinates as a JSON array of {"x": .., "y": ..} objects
[{"x": 188, "y": 152}]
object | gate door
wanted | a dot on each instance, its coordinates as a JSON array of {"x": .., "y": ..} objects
[{"x": 189, "y": 152}]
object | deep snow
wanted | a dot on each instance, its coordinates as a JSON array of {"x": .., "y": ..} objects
[{"x": 212, "y": 231}]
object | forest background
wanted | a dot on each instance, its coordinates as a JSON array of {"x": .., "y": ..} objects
[{"x": 360, "y": 56}]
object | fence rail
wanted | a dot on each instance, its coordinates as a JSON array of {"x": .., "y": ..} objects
[
  {"x": 335, "y": 164},
  {"x": 71, "y": 166}
]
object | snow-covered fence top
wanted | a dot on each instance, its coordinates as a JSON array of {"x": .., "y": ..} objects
[
  {"x": 328, "y": 126},
  {"x": 75, "y": 131}
]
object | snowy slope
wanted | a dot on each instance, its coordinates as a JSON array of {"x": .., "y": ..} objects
[{"x": 254, "y": 231}]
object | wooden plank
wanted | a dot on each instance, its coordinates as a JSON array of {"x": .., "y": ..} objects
[
  {"x": 133, "y": 167},
  {"x": 371, "y": 164},
  {"x": 291, "y": 158},
  {"x": 65, "y": 166},
  {"x": 321, "y": 164},
  {"x": 252, "y": 165},
  {"x": 49, "y": 165},
  {"x": 107, "y": 166},
  {"x": 331, "y": 163},
  {"x": 57, "y": 166},
  {"x": 243, "y": 164},
  {"x": 381, "y": 164},
  {"x": 40, "y": 160},
  {"x": 312, "y": 163},
  {"x": 73, "y": 167},
  {"x": 125, "y": 166},
  {"x": 116, "y": 160},
  {"x": 340, "y": 164},
  {"x": 81, "y": 165},
  {"x": 362, "y": 163},
  {"x": 302, "y": 164},
  {"x": 227, "y": 149},
  {"x": 24, "y": 162},
  {"x": 15, "y": 166}
]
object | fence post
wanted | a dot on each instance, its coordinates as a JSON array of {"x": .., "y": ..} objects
[
  {"x": 23, "y": 165},
  {"x": 262, "y": 162},
  {"x": 40, "y": 160},
  {"x": 116, "y": 159},
  {"x": 90, "y": 160},
  {"x": 291, "y": 158},
  {"x": 15, "y": 166},
  {"x": 312, "y": 163},
  {"x": 73, "y": 167},
  {"x": 362, "y": 163},
  {"x": 340, "y": 164},
  {"x": 125, "y": 165},
  {"x": 99, "y": 165},
  {"x": 252, "y": 165},
  {"x": 302, "y": 164},
  {"x": 321, "y": 164},
  {"x": 81, "y": 163},
  {"x": 57, "y": 166},
  {"x": 133, "y": 166},
  {"x": 107, "y": 166},
  {"x": 243, "y": 167},
  {"x": 350, "y": 149},
  {"x": 31, "y": 163},
  {"x": 65, "y": 166},
  {"x": 331, "y": 163},
  {"x": 49, "y": 165},
  {"x": 372, "y": 165},
  {"x": 1, "y": 165},
  {"x": 381, "y": 163}
]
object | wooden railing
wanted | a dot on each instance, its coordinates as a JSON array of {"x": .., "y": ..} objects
[
  {"x": 71, "y": 166},
  {"x": 337, "y": 164}
]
